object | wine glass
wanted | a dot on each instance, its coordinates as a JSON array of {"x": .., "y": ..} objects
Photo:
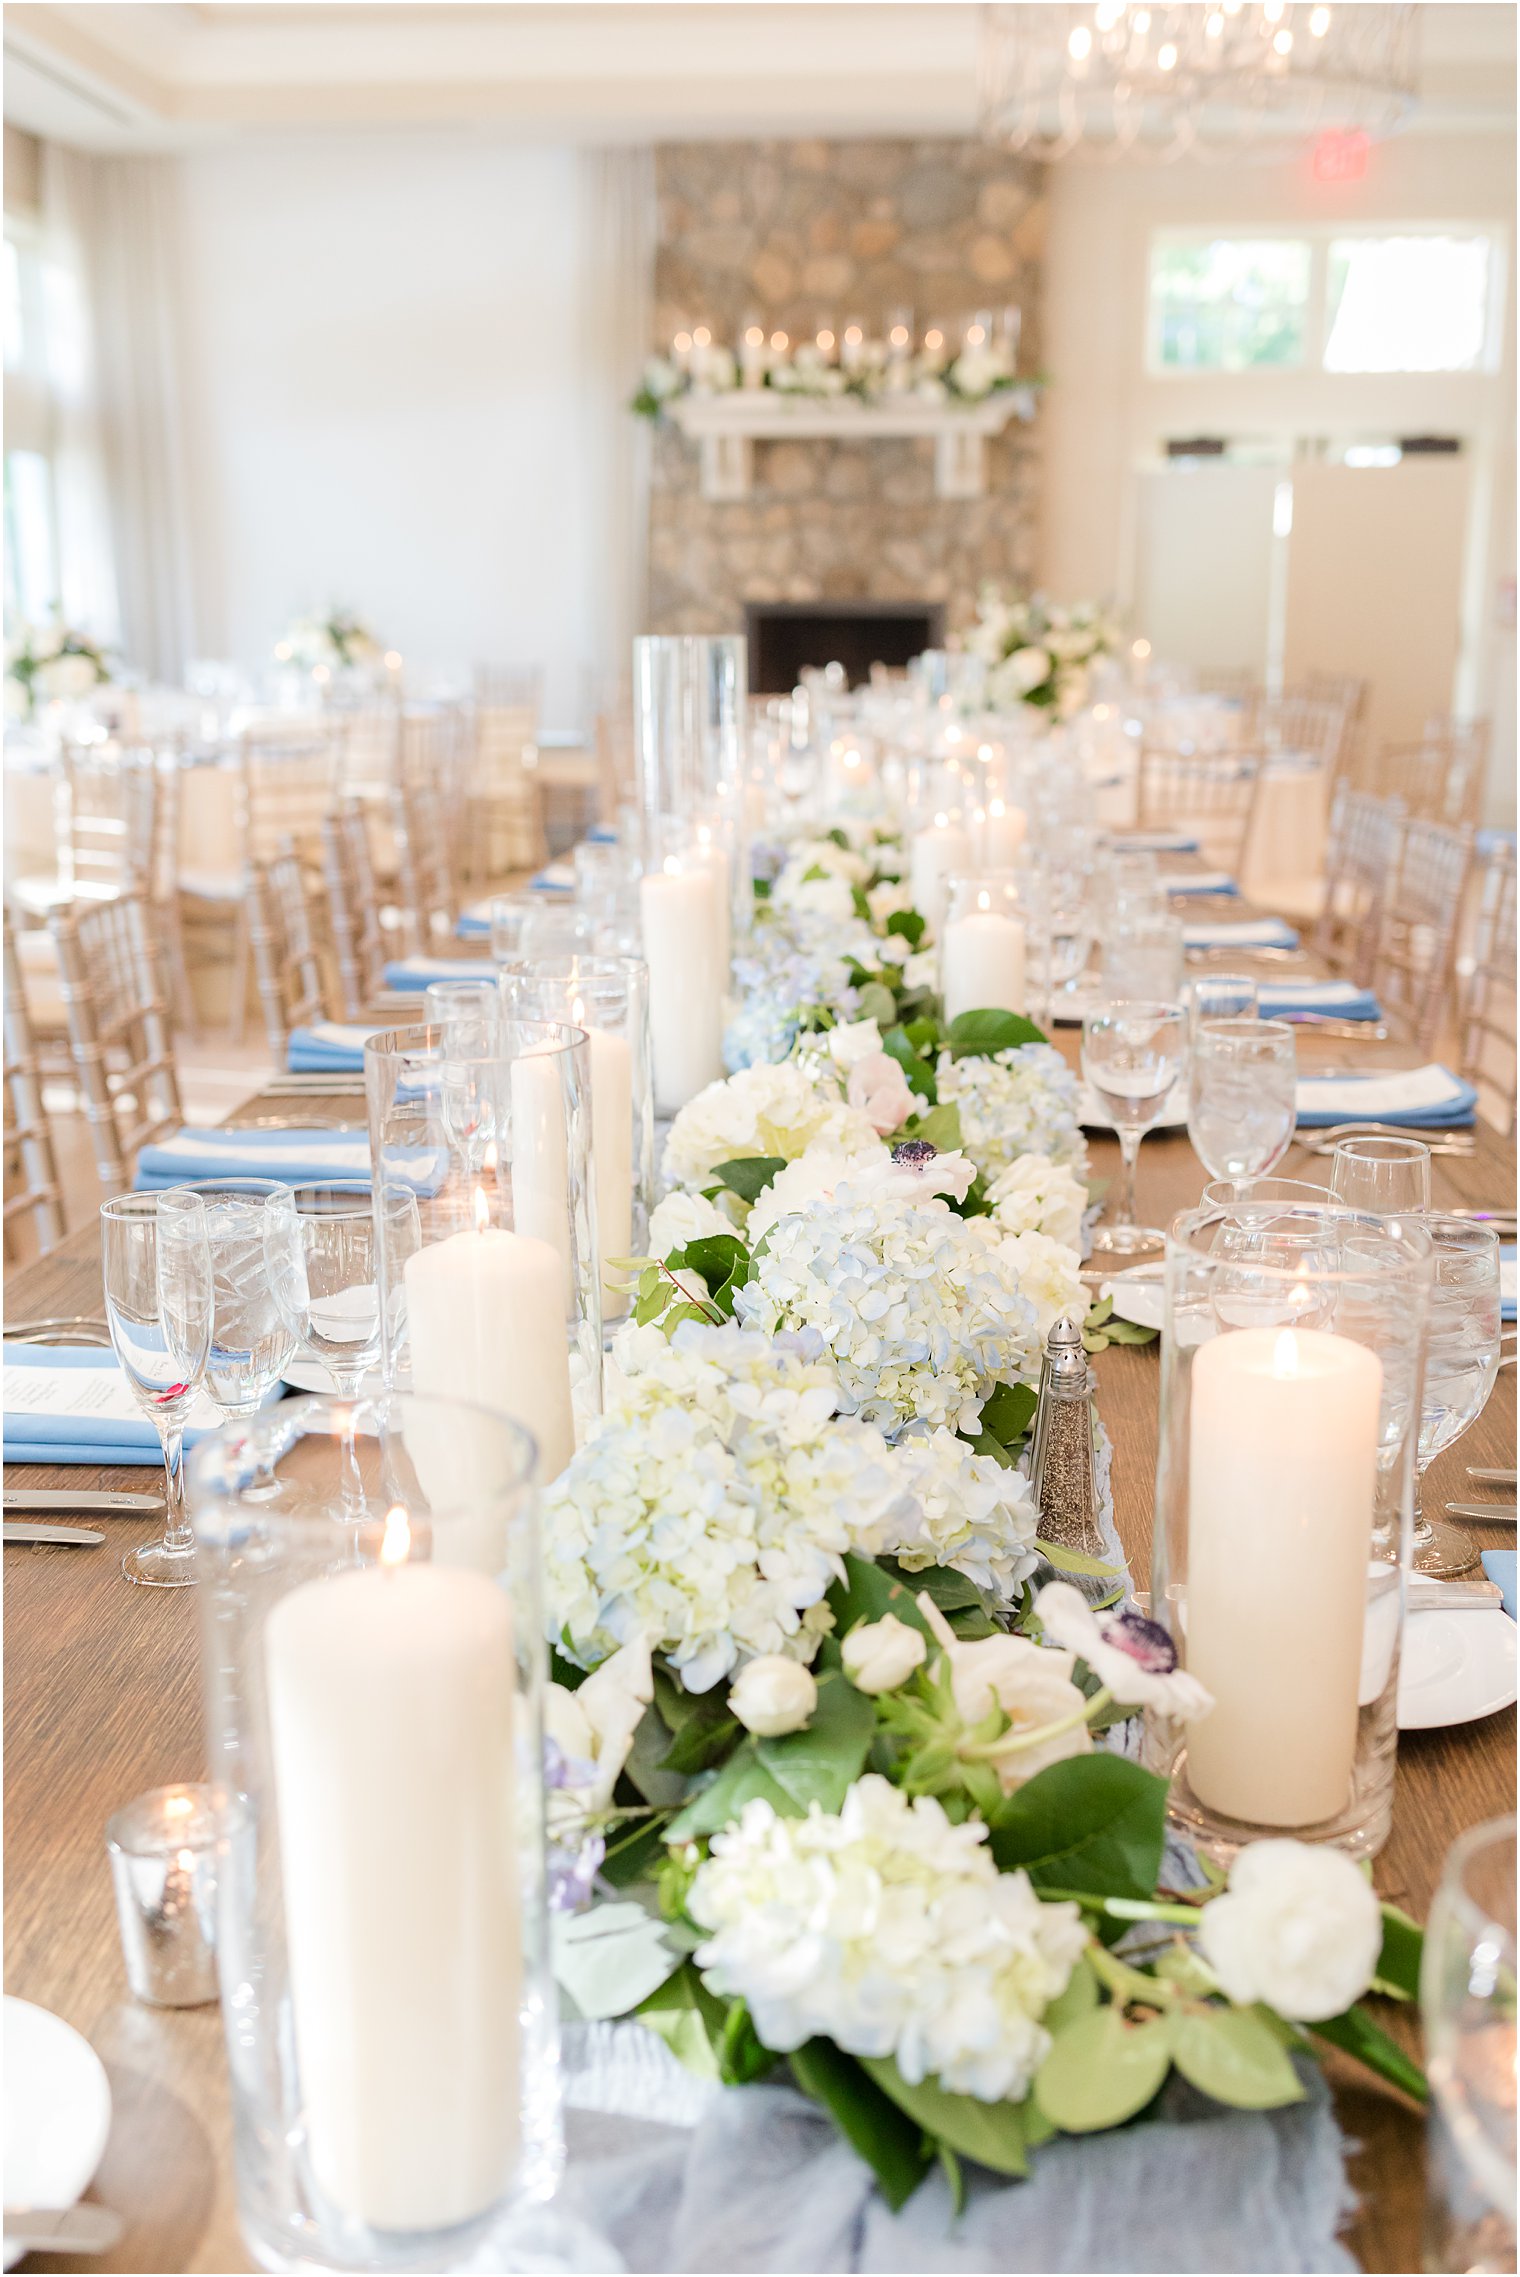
[
  {"x": 1242, "y": 1096},
  {"x": 1142, "y": 959},
  {"x": 468, "y": 1008},
  {"x": 156, "y": 1270},
  {"x": 1467, "y": 2001},
  {"x": 250, "y": 1344},
  {"x": 319, "y": 1251},
  {"x": 1385, "y": 1177},
  {"x": 1132, "y": 1055},
  {"x": 1461, "y": 1368},
  {"x": 1222, "y": 996}
]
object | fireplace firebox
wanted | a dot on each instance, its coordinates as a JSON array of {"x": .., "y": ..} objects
[{"x": 787, "y": 636}]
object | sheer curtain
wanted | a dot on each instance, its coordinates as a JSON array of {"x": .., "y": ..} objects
[
  {"x": 69, "y": 381},
  {"x": 619, "y": 237}
]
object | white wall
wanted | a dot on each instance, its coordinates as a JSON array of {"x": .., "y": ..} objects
[
  {"x": 390, "y": 404},
  {"x": 1103, "y": 417}
]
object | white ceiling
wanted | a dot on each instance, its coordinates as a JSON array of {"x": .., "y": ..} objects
[{"x": 122, "y": 75}]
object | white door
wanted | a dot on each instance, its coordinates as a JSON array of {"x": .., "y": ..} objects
[{"x": 1203, "y": 571}]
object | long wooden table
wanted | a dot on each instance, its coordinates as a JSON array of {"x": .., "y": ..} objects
[{"x": 102, "y": 1700}]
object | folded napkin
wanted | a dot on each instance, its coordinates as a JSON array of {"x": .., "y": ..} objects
[
  {"x": 556, "y": 877},
  {"x": 1201, "y": 881},
  {"x": 600, "y": 835},
  {"x": 327, "y": 1048},
  {"x": 413, "y": 974},
  {"x": 474, "y": 923},
  {"x": 297, "y": 1157},
  {"x": 1426, "y": 1096},
  {"x": 1499, "y": 1565},
  {"x": 72, "y": 1403},
  {"x": 1507, "y": 1280},
  {"x": 1338, "y": 999},
  {"x": 1243, "y": 933},
  {"x": 1489, "y": 842},
  {"x": 1154, "y": 842}
]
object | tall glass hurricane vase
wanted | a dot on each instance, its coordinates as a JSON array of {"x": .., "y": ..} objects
[
  {"x": 1291, "y": 1360},
  {"x": 156, "y": 1268}
]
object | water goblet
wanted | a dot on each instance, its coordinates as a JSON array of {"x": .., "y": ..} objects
[
  {"x": 1142, "y": 959},
  {"x": 1222, "y": 996},
  {"x": 319, "y": 1248},
  {"x": 250, "y": 1344},
  {"x": 1461, "y": 1369},
  {"x": 1242, "y": 1096},
  {"x": 469, "y": 1006},
  {"x": 1385, "y": 1177},
  {"x": 156, "y": 1270},
  {"x": 1467, "y": 2000},
  {"x": 1132, "y": 1055}
]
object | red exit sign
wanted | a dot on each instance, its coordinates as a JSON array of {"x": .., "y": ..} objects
[{"x": 1341, "y": 157}]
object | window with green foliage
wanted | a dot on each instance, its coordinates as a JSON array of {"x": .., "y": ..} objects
[{"x": 1229, "y": 304}]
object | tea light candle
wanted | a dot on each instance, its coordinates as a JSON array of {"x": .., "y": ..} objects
[
  {"x": 1003, "y": 831},
  {"x": 983, "y": 962},
  {"x": 487, "y": 1323},
  {"x": 163, "y": 1851},
  {"x": 686, "y": 980},
  {"x": 932, "y": 855},
  {"x": 390, "y": 1696},
  {"x": 1282, "y": 1475}
]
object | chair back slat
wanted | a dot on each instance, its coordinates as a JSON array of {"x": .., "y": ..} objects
[
  {"x": 1214, "y": 795},
  {"x": 1414, "y": 962},
  {"x": 1359, "y": 855},
  {"x": 1489, "y": 1058},
  {"x": 31, "y": 1168},
  {"x": 1440, "y": 777},
  {"x": 120, "y": 1034},
  {"x": 287, "y": 968},
  {"x": 353, "y": 907}
]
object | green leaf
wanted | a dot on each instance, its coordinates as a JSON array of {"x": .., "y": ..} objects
[
  {"x": 949, "y": 1590},
  {"x": 609, "y": 1959},
  {"x": 1357, "y": 2035},
  {"x": 991, "y": 2133},
  {"x": 1008, "y": 1411},
  {"x": 748, "y": 1175},
  {"x": 1403, "y": 1945},
  {"x": 742, "y": 2054},
  {"x": 688, "y": 2018},
  {"x": 1101, "y": 2071},
  {"x": 876, "y": 1003},
  {"x": 941, "y": 1127},
  {"x": 1235, "y": 2056},
  {"x": 1076, "y": 1561},
  {"x": 1078, "y": 2000},
  {"x": 909, "y": 925},
  {"x": 977, "y": 1035},
  {"x": 868, "y": 1591},
  {"x": 897, "y": 1044},
  {"x": 633, "y": 1857},
  {"x": 983, "y": 1443},
  {"x": 1093, "y": 1822},
  {"x": 703, "y": 1739},
  {"x": 891, "y": 2143},
  {"x": 820, "y": 1764},
  {"x": 860, "y": 904},
  {"x": 658, "y": 1780},
  {"x": 741, "y": 1779}
]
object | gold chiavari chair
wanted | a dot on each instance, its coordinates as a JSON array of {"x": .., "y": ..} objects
[
  {"x": 120, "y": 1038},
  {"x": 1363, "y": 841},
  {"x": 31, "y": 1169},
  {"x": 104, "y": 797},
  {"x": 1304, "y": 726},
  {"x": 1440, "y": 778},
  {"x": 504, "y": 808},
  {"x": 425, "y": 884},
  {"x": 164, "y": 892},
  {"x": 1414, "y": 960},
  {"x": 1214, "y": 796},
  {"x": 1342, "y": 689},
  {"x": 287, "y": 967},
  {"x": 1489, "y": 1057},
  {"x": 353, "y": 908},
  {"x": 1237, "y": 681},
  {"x": 614, "y": 763}
]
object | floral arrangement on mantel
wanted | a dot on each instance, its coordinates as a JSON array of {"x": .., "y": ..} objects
[
  {"x": 1037, "y": 652},
  {"x": 876, "y": 376},
  {"x": 831, "y": 1780},
  {"x": 51, "y": 663},
  {"x": 337, "y": 641}
]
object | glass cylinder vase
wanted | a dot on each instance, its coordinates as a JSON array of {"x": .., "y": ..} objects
[
  {"x": 374, "y": 1695},
  {"x": 1291, "y": 1363},
  {"x": 608, "y": 997},
  {"x": 485, "y": 1217}
]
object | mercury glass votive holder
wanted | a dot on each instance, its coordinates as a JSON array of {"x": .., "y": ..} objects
[
  {"x": 163, "y": 1851},
  {"x": 1292, "y": 1355}
]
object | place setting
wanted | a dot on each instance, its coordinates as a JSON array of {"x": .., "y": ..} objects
[{"x": 758, "y": 1382}]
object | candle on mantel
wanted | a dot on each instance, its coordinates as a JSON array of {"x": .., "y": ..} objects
[
  {"x": 678, "y": 908},
  {"x": 932, "y": 856},
  {"x": 390, "y": 1695},
  {"x": 1282, "y": 1476},
  {"x": 1002, "y": 832},
  {"x": 983, "y": 965},
  {"x": 486, "y": 1319},
  {"x": 752, "y": 356}
]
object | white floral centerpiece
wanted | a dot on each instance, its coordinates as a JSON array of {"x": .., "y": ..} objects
[
  {"x": 337, "y": 642},
  {"x": 972, "y": 376},
  {"x": 1037, "y": 652},
  {"x": 53, "y": 663}
]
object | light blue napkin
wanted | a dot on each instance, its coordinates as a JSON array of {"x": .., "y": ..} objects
[
  {"x": 1422, "y": 1097},
  {"x": 1154, "y": 842},
  {"x": 1338, "y": 999},
  {"x": 1489, "y": 842},
  {"x": 297, "y": 1157},
  {"x": 327, "y": 1048},
  {"x": 1507, "y": 1279},
  {"x": 555, "y": 877},
  {"x": 31, "y": 1437},
  {"x": 475, "y": 923},
  {"x": 1499, "y": 1565},
  {"x": 1186, "y": 887},
  {"x": 1243, "y": 933},
  {"x": 601, "y": 835},
  {"x": 413, "y": 974}
]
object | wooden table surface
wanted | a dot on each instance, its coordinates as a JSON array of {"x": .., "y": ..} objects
[{"x": 102, "y": 1700}]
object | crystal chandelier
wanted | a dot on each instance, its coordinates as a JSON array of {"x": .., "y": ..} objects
[{"x": 1218, "y": 78}]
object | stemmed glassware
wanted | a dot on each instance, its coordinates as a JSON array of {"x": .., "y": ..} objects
[
  {"x": 250, "y": 1343},
  {"x": 1242, "y": 1096},
  {"x": 1222, "y": 996},
  {"x": 1467, "y": 2000},
  {"x": 470, "y": 1006},
  {"x": 1387, "y": 1177},
  {"x": 1461, "y": 1368},
  {"x": 1132, "y": 1055},
  {"x": 1142, "y": 956},
  {"x": 319, "y": 1248},
  {"x": 156, "y": 1270}
]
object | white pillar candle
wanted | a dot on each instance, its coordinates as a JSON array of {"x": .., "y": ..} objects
[
  {"x": 612, "y": 1159},
  {"x": 486, "y": 1318},
  {"x": 390, "y": 1724},
  {"x": 933, "y": 855},
  {"x": 715, "y": 859},
  {"x": 686, "y": 980},
  {"x": 541, "y": 1155},
  {"x": 983, "y": 964},
  {"x": 1003, "y": 831},
  {"x": 1282, "y": 1475}
]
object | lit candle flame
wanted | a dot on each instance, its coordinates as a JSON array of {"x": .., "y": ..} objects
[
  {"x": 178, "y": 1806},
  {"x": 396, "y": 1547},
  {"x": 942, "y": 822},
  {"x": 672, "y": 866},
  {"x": 996, "y": 807},
  {"x": 185, "y": 1860},
  {"x": 482, "y": 1211}
]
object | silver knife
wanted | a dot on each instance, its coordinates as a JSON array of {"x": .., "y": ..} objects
[
  {"x": 1491, "y": 1478},
  {"x": 66, "y": 1498},
  {"x": 59, "y": 2229},
  {"x": 1452, "y": 1596},
  {"x": 1497, "y": 1513},
  {"x": 73, "y": 1537}
]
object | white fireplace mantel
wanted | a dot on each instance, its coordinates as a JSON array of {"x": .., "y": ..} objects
[{"x": 728, "y": 426}]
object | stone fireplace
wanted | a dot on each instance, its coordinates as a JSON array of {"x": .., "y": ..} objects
[
  {"x": 794, "y": 235},
  {"x": 786, "y": 636}
]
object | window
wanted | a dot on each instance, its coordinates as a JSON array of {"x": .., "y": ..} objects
[
  {"x": 1229, "y": 304},
  {"x": 1407, "y": 304}
]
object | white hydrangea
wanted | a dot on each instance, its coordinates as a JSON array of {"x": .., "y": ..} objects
[
  {"x": 712, "y": 1506},
  {"x": 1035, "y": 1195},
  {"x": 889, "y": 1931},
  {"x": 915, "y": 1306},
  {"x": 1016, "y": 1102},
  {"x": 684, "y": 1217},
  {"x": 815, "y": 895},
  {"x": 1050, "y": 1276},
  {"x": 963, "y": 1510},
  {"x": 812, "y": 1176},
  {"x": 776, "y": 1110}
]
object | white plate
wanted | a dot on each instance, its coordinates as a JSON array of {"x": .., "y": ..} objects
[
  {"x": 1094, "y": 1116},
  {"x": 57, "y": 2110},
  {"x": 1455, "y": 1668},
  {"x": 311, "y": 1376},
  {"x": 1139, "y": 1293}
]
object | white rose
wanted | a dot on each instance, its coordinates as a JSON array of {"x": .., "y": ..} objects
[
  {"x": 681, "y": 1218},
  {"x": 1049, "y": 1275},
  {"x": 594, "y": 1728},
  {"x": 1033, "y": 1688},
  {"x": 880, "y": 1655},
  {"x": 1027, "y": 668},
  {"x": 887, "y": 899},
  {"x": 921, "y": 970},
  {"x": 1035, "y": 1195},
  {"x": 853, "y": 1040},
  {"x": 811, "y": 1178},
  {"x": 1299, "y": 1928},
  {"x": 894, "y": 950},
  {"x": 828, "y": 897},
  {"x": 773, "y": 1695}
]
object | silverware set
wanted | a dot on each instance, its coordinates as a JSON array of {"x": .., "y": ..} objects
[
  {"x": 1440, "y": 1139},
  {"x": 61, "y": 2229}
]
